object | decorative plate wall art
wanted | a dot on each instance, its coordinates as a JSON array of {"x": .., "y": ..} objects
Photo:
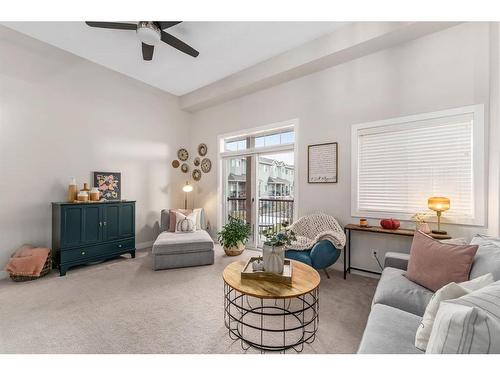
[
  {"x": 109, "y": 184},
  {"x": 206, "y": 165},
  {"x": 202, "y": 149},
  {"x": 183, "y": 154},
  {"x": 197, "y": 175},
  {"x": 176, "y": 164},
  {"x": 185, "y": 167},
  {"x": 196, "y": 161}
]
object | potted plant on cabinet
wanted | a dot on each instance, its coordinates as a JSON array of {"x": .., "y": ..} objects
[
  {"x": 273, "y": 252},
  {"x": 234, "y": 236}
]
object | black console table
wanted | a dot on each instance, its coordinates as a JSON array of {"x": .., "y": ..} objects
[{"x": 375, "y": 229}]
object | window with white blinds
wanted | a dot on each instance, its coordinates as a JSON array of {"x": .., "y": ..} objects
[{"x": 399, "y": 163}]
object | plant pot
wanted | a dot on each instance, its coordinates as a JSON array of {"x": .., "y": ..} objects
[
  {"x": 423, "y": 227},
  {"x": 274, "y": 258},
  {"x": 235, "y": 250}
]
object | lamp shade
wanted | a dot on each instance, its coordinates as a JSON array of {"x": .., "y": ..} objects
[
  {"x": 438, "y": 204},
  {"x": 187, "y": 188}
]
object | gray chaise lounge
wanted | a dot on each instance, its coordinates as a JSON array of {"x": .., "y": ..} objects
[
  {"x": 176, "y": 250},
  {"x": 399, "y": 304}
]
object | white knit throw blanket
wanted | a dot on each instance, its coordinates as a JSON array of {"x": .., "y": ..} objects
[{"x": 313, "y": 228}]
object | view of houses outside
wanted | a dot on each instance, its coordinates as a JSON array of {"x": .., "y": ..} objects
[
  {"x": 275, "y": 184},
  {"x": 275, "y": 177}
]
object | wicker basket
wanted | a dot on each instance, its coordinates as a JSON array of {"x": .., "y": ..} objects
[{"x": 47, "y": 267}]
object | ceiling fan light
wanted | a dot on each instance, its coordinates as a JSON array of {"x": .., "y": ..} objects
[{"x": 148, "y": 33}]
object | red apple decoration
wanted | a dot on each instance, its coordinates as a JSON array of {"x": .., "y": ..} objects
[{"x": 390, "y": 223}]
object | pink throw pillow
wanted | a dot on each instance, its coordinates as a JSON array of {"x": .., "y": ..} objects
[
  {"x": 171, "y": 226},
  {"x": 434, "y": 264}
]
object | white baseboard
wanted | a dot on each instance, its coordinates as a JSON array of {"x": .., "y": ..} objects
[{"x": 144, "y": 245}]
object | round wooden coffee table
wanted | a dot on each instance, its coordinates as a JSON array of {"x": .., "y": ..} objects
[{"x": 270, "y": 316}]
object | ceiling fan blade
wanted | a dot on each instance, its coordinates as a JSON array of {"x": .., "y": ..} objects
[
  {"x": 147, "y": 52},
  {"x": 178, "y": 44},
  {"x": 113, "y": 25},
  {"x": 166, "y": 24}
]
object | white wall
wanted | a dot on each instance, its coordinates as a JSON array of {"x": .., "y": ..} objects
[
  {"x": 447, "y": 69},
  {"x": 61, "y": 117}
]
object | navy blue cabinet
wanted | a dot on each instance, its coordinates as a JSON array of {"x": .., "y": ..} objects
[
  {"x": 111, "y": 221},
  {"x": 89, "y": 232}
]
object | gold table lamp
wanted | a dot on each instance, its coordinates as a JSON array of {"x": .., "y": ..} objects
[{"x": 439, "y": 204}]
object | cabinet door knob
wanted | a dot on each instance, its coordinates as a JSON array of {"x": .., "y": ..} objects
[
  {"x": 100, "y": 223},
  {"x": 104, "y": 223},
  {"x": 119, "y": 245},
  {"x": 83, "y": 252}
]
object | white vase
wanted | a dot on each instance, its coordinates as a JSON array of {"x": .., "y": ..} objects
[
  {"x": 423, "y": 227},
  {"x": 274, "y": 258}
]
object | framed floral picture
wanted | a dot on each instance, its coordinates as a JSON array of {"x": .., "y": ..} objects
[{"x": 109, "y": 185}]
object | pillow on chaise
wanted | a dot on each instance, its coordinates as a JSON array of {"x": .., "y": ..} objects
[
  {"x": 185, "y": 223},
  {"x": 434, "y": 264},
  {"x": 172, "y": 220},
  {"x": 200, "y": 218}
]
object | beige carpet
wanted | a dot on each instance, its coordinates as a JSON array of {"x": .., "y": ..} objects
[{"x": 122, "y": 306}]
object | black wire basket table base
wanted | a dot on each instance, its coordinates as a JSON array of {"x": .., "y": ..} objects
[{"x": 271, "y": 325}]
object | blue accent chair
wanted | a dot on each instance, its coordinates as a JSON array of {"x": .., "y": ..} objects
[{"x": 322, "y": 255}]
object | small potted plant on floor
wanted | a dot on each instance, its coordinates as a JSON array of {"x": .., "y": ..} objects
[
  {"x": 273, "y": 251},
  {"x": 234, "y": 236}
]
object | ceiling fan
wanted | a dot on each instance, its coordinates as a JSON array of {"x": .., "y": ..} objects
[{"x": 150, "y": 33}]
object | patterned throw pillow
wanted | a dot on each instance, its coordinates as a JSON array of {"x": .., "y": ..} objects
[
  {"x": 172, "y": 217},
  {"x": 447, "y": 292},
  {"x": 469, "y": 324},
  {"x": 185, "y": 223}
]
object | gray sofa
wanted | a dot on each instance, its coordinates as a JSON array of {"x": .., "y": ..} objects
[
  {"x": 176, "y": 250},
  {"x": 399, "y": 304}
]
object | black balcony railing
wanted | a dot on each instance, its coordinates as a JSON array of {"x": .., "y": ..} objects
[
  {"x": 237, "y": 207},
  {"x": 273, "y": 212}
]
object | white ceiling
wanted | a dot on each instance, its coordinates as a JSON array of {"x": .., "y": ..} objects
[{"x": 225, "y": 48}]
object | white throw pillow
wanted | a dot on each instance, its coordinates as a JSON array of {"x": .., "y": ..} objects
[
  {"x": 199, "y": 218},
  {"x": 469, "y": 324},
  {"x": 185, "y": 224},
  {"x": 449, "y": 291}
]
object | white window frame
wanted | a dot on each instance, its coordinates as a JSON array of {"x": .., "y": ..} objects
[{"x": 478, "y": 164}]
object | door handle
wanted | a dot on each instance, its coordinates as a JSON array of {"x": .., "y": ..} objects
[
  {"x": 104, "y": 223},
  {"x": 100, "y": 223}
]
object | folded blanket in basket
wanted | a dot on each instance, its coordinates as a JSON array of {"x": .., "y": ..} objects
[{"x": 27, "y": 261}]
